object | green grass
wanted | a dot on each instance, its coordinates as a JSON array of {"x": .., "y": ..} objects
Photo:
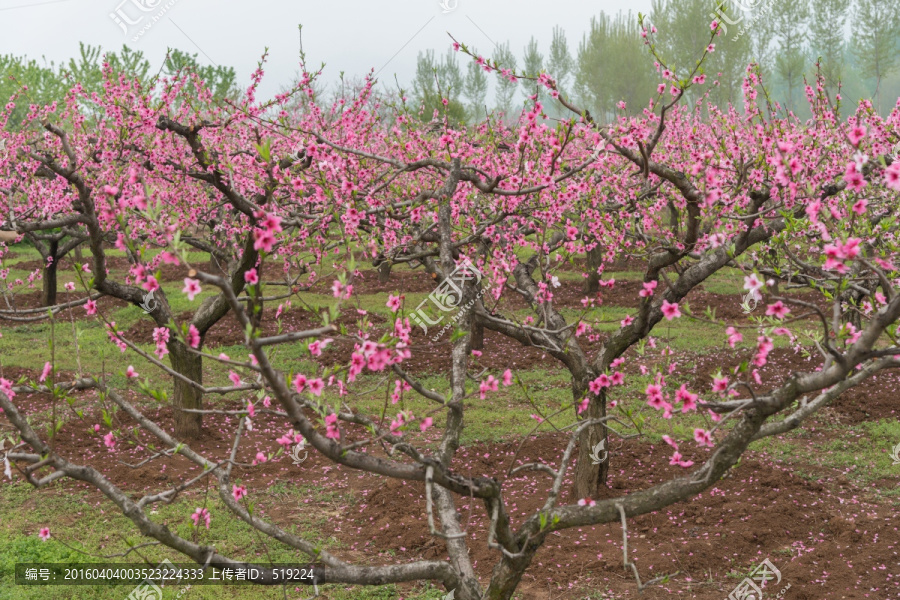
[
  {"x": 549, "y": 392},
  {"x": 864, "y": 449},
  {"x": 725, "y": 281},
  {"x": 77, "y": 523}
]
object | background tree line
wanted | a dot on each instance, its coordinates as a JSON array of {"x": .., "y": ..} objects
[
  {"x": 856, "y": 42},
  {"x": 41, "y": 82}
]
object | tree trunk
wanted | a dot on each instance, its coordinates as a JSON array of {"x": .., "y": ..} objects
[
  {"x": 48, "y": 297},
  {"x": 589, "y": 477},
  {"x": 477, "y": 336},
  {"x": 594, "y": 260},
  {"x": 187, "y": 425},
  {"x": 384, "y": 271},
  {"x": 507, "y": 574}
]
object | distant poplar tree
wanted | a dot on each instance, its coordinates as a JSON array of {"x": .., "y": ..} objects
[
  {"x": 560, "y": 64},
  {"x": 475, "y": 90},
  {"x": 534, "y": 64},
  {"x": 791, "y": 24},
  {"x": 684, "y": 33},
  {"x": 436, "y": 81},
  {"x": 506, "y": 90},
  {"x": 826, "y": 33},
  {"x": 44, "y": 85},
  {"x": 875, "y": 33},
  {"x": 612, "y": 66}
]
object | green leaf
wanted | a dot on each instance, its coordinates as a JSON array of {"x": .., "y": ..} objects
[{"x": 265, "y": 150}]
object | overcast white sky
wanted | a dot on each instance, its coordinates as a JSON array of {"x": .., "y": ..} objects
[{"x": 351, "y": 35}]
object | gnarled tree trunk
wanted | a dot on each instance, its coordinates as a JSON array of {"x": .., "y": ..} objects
[
  {"x": 48, "y": 296},
  {"x": 507, "y": 574},
  {"x": 589, "y": 477},
  {"x": 594, "y": 260},
  {"x": 187, "y": 425},
  {"x": 384, "y": 271},
  {"x": 477, "y": 336}
]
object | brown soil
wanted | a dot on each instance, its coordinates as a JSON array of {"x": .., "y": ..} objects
[
  {"x": 873, "y": 399},
  {"x": 415, "y": 281},
  {"x": 30, "y": 376},
  {"x": 761, "y": 510}
]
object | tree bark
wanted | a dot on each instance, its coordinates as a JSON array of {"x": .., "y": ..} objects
[
  {"x": 187, "y": 425},
  {"x": 477, "y": 336},
  {"x": 48, "y": 297},
  {"x": 384, "y": 271},
  {"x": 594, "y": 260},
  {"x": 507, "y": 574},
  {"x": 588, "y": 476}
]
